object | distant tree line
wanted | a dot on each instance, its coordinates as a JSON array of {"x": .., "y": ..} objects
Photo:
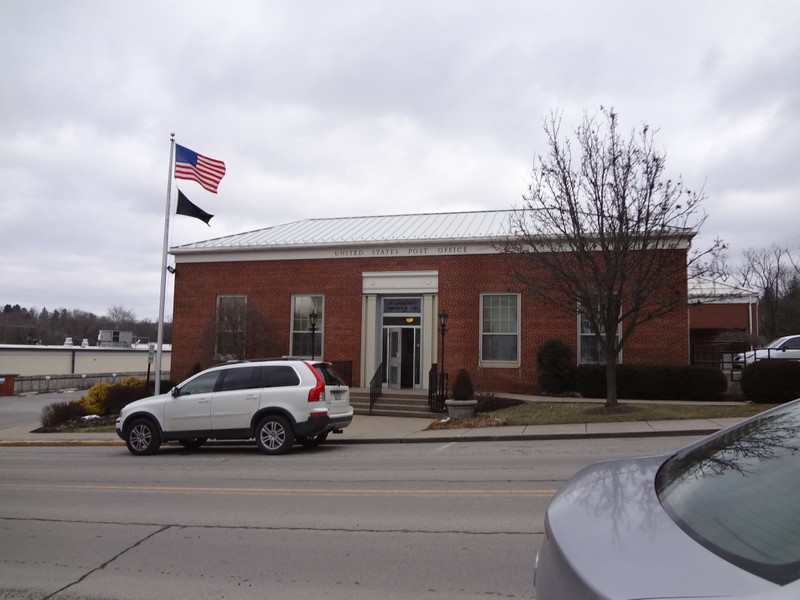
[
  {"x": 19, "y": 325},
  {"x": 774, "y": 274}
]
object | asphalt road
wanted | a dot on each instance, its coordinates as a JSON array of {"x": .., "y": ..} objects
[
  {"x": 454, "y": 520},
  {"x": 16, "y": 411}
]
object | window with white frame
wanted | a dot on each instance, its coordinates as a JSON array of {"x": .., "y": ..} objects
[
  {"x": 231, "y": 327},
  {"x": 500, "y": 328},
  {"x": 302, "y": 307},
  {"x": 590, "y": 346}
]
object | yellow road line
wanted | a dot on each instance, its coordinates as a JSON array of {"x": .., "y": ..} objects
[{"x": 149, "y": 489}]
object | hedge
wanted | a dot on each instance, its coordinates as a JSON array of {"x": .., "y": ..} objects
[
  {"x": 651, "y": 382},
  {"x": 771, "y": 381},
  {"x": 556, "y": 367},
  {"x": 107, "y": 399}
]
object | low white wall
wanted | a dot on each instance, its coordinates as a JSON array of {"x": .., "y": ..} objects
[
  {"x": 42, "y": 384},
  {"x": 70, "y": 360}
]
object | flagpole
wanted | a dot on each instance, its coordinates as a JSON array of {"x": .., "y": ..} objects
[{"x": 162, "y": 297}]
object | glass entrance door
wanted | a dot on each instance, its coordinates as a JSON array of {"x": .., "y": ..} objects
[
  {"x": 394, "y": 356},
  {"x": 401, "y": 345}
]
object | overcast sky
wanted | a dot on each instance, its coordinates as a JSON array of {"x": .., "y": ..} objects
[{"x": 362, "y": 107}]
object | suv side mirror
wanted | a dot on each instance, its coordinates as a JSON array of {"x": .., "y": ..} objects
[{"x": 175, "y": 391}]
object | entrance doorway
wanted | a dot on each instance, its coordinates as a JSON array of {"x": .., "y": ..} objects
[
  {"x": 402, "y": 334},
  {"x": 401, "y": 345}
]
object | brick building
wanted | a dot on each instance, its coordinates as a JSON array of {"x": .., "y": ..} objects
[
  {"x": 377, "y": 286},
  {"x": 723, "y": 321}
]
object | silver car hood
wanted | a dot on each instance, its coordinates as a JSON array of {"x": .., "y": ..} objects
[{"x": 609, "y": 526}]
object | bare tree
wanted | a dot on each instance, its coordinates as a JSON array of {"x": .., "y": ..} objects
[
  {"x": 772, "y": 272},
  {"x": 609, "y": 229},
  {"x": 121, "y": 317},
  {"x": 236, "y": 331}
]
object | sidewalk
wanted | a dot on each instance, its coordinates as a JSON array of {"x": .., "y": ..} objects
[{"x": 392, "y": 430}]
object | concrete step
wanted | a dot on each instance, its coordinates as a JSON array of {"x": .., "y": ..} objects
[{"x": 394, "y": 404}]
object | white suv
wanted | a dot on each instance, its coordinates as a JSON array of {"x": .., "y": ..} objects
[
  {"x": 785, "y": 348},
  {"x": 277, "y": 402}
]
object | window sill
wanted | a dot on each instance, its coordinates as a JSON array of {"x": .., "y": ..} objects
[{"x": 491, "y": 364}]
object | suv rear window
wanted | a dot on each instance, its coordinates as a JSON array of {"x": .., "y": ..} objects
[
  {"x": 328, "y": 374},
  {"x": 738, "y": 494}
]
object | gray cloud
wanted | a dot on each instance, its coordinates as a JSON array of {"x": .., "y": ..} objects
[{"x": 361, "y": 107}]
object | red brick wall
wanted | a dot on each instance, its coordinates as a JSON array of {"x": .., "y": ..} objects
[
  {"x": 724, "y": 317},
  {"x": 269, "y": 286}
]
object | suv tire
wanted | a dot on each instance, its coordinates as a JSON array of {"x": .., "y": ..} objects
[
  {"x": 142, "y": 437},
  {"x": 274, "y": 435}
]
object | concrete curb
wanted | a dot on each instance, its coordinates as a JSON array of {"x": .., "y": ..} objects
[{"x": 427, "y": 439}]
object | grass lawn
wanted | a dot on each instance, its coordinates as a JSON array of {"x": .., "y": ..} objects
[
  {"x": 499, "y": 412},
  {"x": 547, "y": 413}
]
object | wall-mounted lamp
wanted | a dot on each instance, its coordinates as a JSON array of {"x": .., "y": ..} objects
[{"x": 312, "y": 320}]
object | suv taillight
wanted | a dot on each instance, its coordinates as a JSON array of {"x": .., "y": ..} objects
[{"x": 317, "y": 393}]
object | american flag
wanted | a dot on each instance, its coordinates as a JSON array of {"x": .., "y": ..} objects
[{"x": 208, "y": 172}]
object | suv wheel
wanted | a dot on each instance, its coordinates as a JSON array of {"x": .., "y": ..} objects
[
  {"x": 142, "y": 437},
  {"x": 274, "y": 435}
]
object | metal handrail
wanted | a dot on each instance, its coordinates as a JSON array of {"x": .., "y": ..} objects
[
  {"x": 375, "y": 387},
  {"x": 437, "y": 389}
]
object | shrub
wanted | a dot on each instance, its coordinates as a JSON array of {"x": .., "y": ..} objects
[
  {"x": 94, "y": 402},
  {"x": 122, "y": 395},
  {"x": 654, "y": 382},
  {"x": 196, "y": 368},
  {"x": 166, "y": 385},
  {"x": 60, "y": 413},
  {"x": 556, "y": 370},
  {"x": 133, "y": 381},
  {"x": 462, "y": 386},
  {"x": 590, "y": 381},
  {"x": 771, "y": 381},
  {"x": 106, "y": 399}
]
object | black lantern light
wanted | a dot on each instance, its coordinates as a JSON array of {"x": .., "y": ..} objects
[{"x": 312, "y": 327}]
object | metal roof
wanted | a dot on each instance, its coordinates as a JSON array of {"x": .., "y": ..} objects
[
  {"x": 703, "y": 290},
  {"x": 432, "y": 227}
]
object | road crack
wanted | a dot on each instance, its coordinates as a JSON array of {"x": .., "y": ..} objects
[{"x": 109, "y": 561}]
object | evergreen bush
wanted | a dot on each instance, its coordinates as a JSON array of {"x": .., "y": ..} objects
[
  {"x": 556, "y": 368},
  {"x": 462, "y": 386},
  {"x": 122, "y": 395},
  {"x": 590, "y": 381},
  {"x": 771, "y": 381},
  {"x": 106, "y": 399},
  {"x": 94, "y": 402},
  {"x": 654, "y": 382}
]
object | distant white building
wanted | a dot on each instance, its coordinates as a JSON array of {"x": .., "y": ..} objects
[{"x": 115, "y": 339}]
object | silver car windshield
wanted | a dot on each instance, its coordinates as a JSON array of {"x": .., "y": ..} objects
[
  {"x": 738, "y": 494},
  {"x": 776, "y": 343}
]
